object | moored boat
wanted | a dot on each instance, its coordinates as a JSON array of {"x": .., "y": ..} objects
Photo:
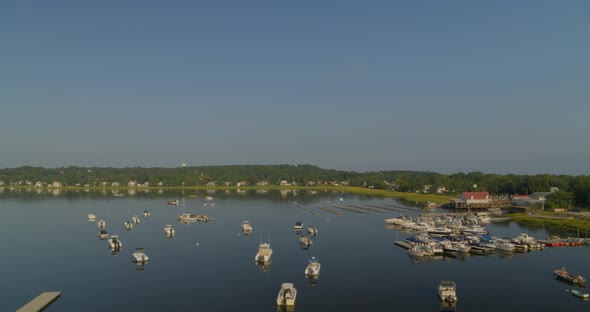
[
  {"x": 305, "y": 240},
  {"x": 579, "y": 293},
  {"x": 246, "y": 227},
  {"x": 101, "y": 223},
  {"x": 287, "y": 295},
  {"x": 114, "y": 242},
  {"x": 103, "y": 234},
  {"x": 264, "y": 253},
  {"x": 298, "y": 226},
  {"x": 146, "y": 214},
  {"x": 447, "y": 291},
  {"x": 313, "y": 268},
  {"x": 312, "y": 230},
  {"x": 568, "y": 277},
  {"x": 139, "y": 256},
  {"x": 91, "y": 217},
  {"x": 169, "y": 230}
]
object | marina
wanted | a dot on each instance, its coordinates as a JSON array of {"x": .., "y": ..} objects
[{"x": 206, "y": 255}]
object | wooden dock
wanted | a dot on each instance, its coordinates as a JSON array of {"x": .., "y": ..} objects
[
  {"x": 40, "y": 302},
  {"x": 350, "y": 209}
]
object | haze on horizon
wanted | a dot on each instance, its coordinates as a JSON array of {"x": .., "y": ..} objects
[{"x": 496, "y": 86}]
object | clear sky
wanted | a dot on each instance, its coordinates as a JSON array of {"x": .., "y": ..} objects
[{"x": 445, "y": 86}]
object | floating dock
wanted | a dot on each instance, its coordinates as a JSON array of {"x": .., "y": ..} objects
[
  {"x": 558, "y": 243},
  {"x": 40, "y": 302},
  {"x": 403, "y": 244}
]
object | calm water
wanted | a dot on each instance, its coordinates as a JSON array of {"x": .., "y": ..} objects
[{"x": 49, "y": 245}]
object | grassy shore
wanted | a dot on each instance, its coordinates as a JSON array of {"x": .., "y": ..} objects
[
  {"x": 553, "y": 221},
  {"x": 417, "y": 198}
]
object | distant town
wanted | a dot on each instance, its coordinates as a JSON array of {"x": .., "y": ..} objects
[{"x": 474, "y": 190}]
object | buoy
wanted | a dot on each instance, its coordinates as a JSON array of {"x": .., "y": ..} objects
[{"x": 197, "y": 244}]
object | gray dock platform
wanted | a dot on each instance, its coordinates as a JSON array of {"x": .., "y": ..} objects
[{"x": 40, "y": 302}]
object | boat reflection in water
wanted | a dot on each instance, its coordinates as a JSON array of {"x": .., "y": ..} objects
[
  {"x": 285, "y": 308},
  {"x": 448, "y": 306},
  {"x": 313, "y": 280},
  {"x": 426, "y": 259},
  {"x": 264, "y": 266},
  {"x": 140, "y": 266},
  {"x": 187, "y": 221}
]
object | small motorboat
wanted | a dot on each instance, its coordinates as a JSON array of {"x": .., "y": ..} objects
[
  {"x": 209, "y": 204},
  {"x": 139, "y": 256},
  {"x": 246, "y": 227},
  {"x": 103, "y": 234},
  {"x": 298, "y": 226},
  {"x": 305, "y": 240},
  {"x": 101, "y": 223},
  {"x": 208, "y": 198},
  {"x": 447, "y": 291},
  {"x": 114, "y": 242},
  {"x": 264, "y": 253},
  {"x": 312, "y": 230},
  {"x": 173, "y": 202},
  {"x": 313, "y": 268},
  {"x": 91, "y": 217},
  {"x": 128, "y": 225},
  {"x": 135, "y": 219},
  {"x": 287, "y": 295},
  {"x": 579, "y": 293},
  {"x": 146, "y": 214},
  {"x": 169, "y": 230}
]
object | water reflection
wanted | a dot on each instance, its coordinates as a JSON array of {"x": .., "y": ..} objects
[
  {"x": 264, "y": 266},
  {"x": 447, "y": 306},
  {"x": 285, "y": 308}
]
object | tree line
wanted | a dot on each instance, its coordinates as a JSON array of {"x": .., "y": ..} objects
[{"x": 575, "y": 187}]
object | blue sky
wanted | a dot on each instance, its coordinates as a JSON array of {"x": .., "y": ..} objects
[{"x": 445, "y": 86}]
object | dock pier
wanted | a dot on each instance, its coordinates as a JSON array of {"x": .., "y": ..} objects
[{"x": 40, "y": 302}]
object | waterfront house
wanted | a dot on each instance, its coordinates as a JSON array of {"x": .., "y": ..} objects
[
  {"x": 468, "y": 200},
  {"x": 539, "y": 195},
  {"x": 56, "y": 184},
  {"x": 132, "y": 183},
  {"x": 262, "y": 183},
  {"x": 212, "y": 183},
  {"x": 39, "y": 184}
]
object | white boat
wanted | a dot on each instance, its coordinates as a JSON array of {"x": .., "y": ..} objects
[
  {"x": 209, "y": 204},
  {"x": 205, "y": 218},
  {"x": 264, "y": 253},
  {"x": 174, "y": 202},
  {"x": 102, "y": 234},
  {"x": 401, "y": 220},
  {"x": 135, "y": 219},
  {"x": 146, "y": 214},
  {"x": 305, "y": 240},
  {"x": 461, "y": 247},
  {"x": 188, "y": 217},
  {"x": 139, "y": 256},
  {"x": 114, "y": 242},
  {"x": 298, "y": 226},
  {"x": 101, "y": 223},
  {"x": 476, "y": 230},
  {"x": 169, "y": 230},
  {"x": 579, "y": 293},
  {"x": 287, "y": 295},
  {"x": 128, "y": 225},
  {"x": 447, "y": 291},
  {"x": 312, "y": 230},
  {"x": 91, "y": 217},
  {"x": 420, "y": 251},
  {"x": 313, "y": 268},
  {"x": 246, "y": 227},
  {"x": 208, "y": 198},
  {"x": 505, "y": 245}
]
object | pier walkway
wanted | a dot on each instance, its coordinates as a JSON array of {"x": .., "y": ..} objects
[{"x": 40, "y": 302}]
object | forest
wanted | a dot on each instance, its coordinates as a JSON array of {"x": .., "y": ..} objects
[{"x": 573, "y": 189}]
